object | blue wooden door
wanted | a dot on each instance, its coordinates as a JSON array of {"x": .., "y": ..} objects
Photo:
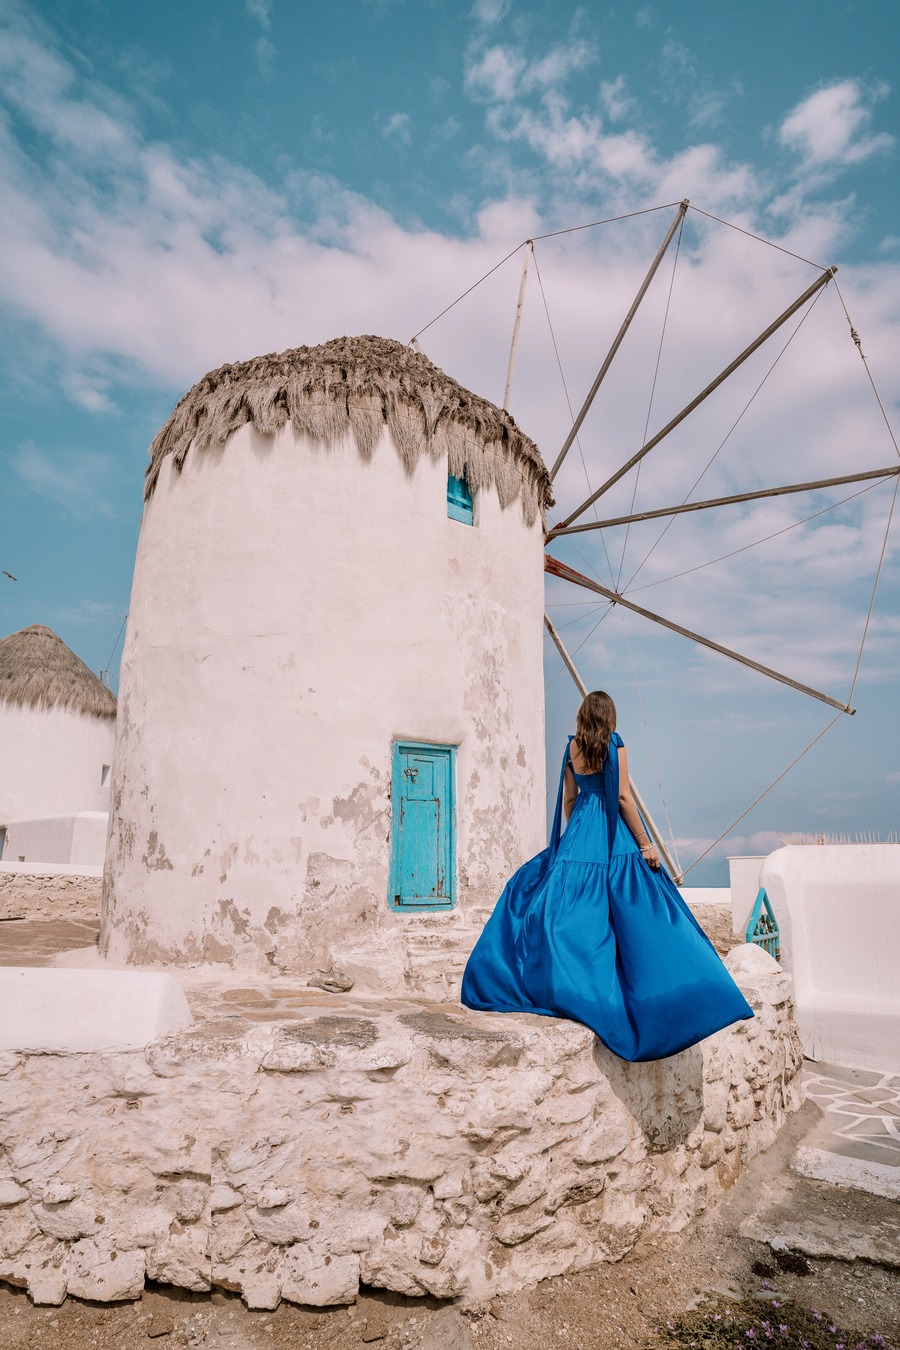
[{"x": 422, "y": 826}]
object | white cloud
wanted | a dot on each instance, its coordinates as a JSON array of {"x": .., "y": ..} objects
[
  {"x": 496, "y": 74},
  {"x": 501, "y": 73},
  {"x": 89, "y": 612},
  {"x": 759, "y": 844},
  {"x": 398, "y": 127},
  {"x": 73, "y": 481},
  {"x": 830, "y": 126},
  {"x": 90, "y": 392},
  {"x": 261, "y": 11},
  {"x": 490, "y": 12},
  {"x": 45, "y": 89},
  {"x": 177, "y": 264},
  {"x": 615, "y": 101},
  {"x": 266, "y": 52}
]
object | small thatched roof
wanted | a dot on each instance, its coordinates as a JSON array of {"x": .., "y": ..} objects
[
  {"x": 38, "y": 670},
  {"x": 360, "y": 384}
]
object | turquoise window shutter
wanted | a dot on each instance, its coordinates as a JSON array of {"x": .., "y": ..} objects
[
  {"x": 422, "y": 826},
  {"x": 459, "y": 500}
]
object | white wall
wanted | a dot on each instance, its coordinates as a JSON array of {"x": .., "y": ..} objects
[
  {"x": 743, "y": 874},
  {"x": 25, "y": 870},
  {"x": 77, "y": 839},
  {"x": 51, "y": 762},
  {"x": 838, "y": 908},
  {"x": 293, "y": 610}
]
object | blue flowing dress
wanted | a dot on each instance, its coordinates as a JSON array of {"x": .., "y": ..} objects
[{"x": 587, "y": 930}]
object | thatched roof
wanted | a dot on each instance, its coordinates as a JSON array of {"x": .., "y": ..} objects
[
  {"x": 38, "y": 670},
  {"x": 360, "y": 384}
]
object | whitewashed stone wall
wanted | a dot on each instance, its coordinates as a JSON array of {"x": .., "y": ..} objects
[
  {"x": 52, "y": 762},
  {"x": 458, "y": 1155},
  {"x": 837, "y": 906}
]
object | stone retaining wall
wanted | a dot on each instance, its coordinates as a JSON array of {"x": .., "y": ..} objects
[
  {"x": 35, "y": 895},
  {"x": 417, "y": 1150}
]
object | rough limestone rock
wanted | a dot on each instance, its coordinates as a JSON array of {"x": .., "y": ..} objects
[
  {"x": 35, "y": 895},
  {"x": 421, "y": 1150}
]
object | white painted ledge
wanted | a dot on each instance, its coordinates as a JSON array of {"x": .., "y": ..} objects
[
  {"x": 852, "y": 1173},
  {"x": 77, "y": 1011},
  {"x": 35, "y": 869}
]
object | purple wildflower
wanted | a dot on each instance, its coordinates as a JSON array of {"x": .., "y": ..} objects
[
  {"x": 767, "y": 1284},
  {"x": 782, "y": 1327}
]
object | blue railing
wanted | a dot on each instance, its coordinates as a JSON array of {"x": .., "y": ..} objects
[{"x": 763, "y": 927}]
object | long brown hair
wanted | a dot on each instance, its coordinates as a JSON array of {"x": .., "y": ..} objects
[{"x": 594, "y": 724}]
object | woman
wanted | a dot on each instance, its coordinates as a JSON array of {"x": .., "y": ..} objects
[{"x": 593, "y": 929}]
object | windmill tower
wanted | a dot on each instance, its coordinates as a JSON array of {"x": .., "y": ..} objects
[
  {"x": 332, "y": 691},
  {"x": 57, "y": 731}
]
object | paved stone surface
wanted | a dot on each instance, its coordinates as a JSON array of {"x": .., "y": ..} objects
[
  {"x": 861, "y": 1113},
  {"x": 813, "y": 1215}
]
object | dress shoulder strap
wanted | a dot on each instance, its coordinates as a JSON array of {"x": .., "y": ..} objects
[
  {"x": 611, "y": 786},
  {"x": 556, "y": 828}
]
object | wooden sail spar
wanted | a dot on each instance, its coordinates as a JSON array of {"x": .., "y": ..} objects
[
  {"x": 892, "y": 471},
  {"x": 556, "y": 568},
  {"x": 617, "y": 341},
  {"x": 572, "y": 524},
  {"x": 704, "y": 394}
]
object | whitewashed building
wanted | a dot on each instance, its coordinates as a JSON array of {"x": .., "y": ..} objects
[
  {"x": 57, "y": 731},
  {"x": 331, "y": 699}
]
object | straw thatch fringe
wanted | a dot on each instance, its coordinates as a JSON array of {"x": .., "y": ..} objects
[
  {"x": 357, "y": 386},
  {"x": 38, "y": 670}
]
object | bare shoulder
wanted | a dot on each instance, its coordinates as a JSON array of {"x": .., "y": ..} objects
[{"x": 575, "y": 757}]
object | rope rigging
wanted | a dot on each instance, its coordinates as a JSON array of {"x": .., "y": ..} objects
[
  {"x": 593, "y": 614},
  {"x": 692, "y": 489},
  {"x": 662, "y": 338}
]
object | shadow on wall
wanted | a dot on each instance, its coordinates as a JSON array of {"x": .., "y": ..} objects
[{"x": 665, "y": 1097}]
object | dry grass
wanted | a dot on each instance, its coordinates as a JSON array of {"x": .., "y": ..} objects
[
  {"x": 358, "y": 386},
  {"x": 777, "y": 1327},
  {"x": 38, "y": 670}
]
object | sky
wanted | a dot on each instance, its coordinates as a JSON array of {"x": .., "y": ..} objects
[{"x": 184, "y": 185}]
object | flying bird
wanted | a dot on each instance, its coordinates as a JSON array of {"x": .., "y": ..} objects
[{"x": 10, "y": 575}]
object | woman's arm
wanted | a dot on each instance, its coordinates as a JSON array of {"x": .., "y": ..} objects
[
  {"x": 570, "y": 792},
  {"x": 631, "y": 816}
]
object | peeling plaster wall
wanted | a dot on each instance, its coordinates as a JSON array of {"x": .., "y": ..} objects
[
  {"x": 51, "y": 762},
  {"x": 278, "y": 1161},
  {"x": 293, "y": 610}
]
